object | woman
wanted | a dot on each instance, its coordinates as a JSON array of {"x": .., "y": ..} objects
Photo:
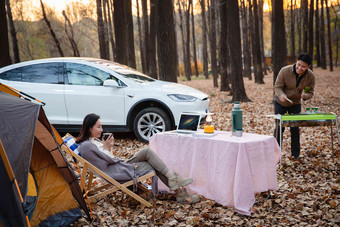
[{"x": 98, "y": 152}]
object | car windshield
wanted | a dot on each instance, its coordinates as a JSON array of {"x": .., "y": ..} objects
[{"x": 125, "y": 71}]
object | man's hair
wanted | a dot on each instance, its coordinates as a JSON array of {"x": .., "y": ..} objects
[{"x": 306, "y": 58}]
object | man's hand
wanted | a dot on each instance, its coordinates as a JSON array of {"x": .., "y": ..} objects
[
  {"x": 283, "y": 98},
  {"x": 304, "y": 96}
]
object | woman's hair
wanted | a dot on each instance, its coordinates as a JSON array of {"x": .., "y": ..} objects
[{"x": 88, "y": 122}]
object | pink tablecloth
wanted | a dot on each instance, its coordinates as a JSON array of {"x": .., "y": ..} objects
[{"x": 225, "y": 168}]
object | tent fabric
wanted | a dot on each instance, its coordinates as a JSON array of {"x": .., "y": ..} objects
[
  {"x": 30, "y": 142},
  {"x": 11, "y": 213},
  {"x": 62, "y": 219},
  {"x": 17, "y": 125}
]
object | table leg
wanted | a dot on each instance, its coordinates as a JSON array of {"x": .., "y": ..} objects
[{"x": 332, "y": 136}]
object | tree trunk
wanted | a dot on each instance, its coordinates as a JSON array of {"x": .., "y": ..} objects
[
  {"x": 299, "y": 28},
  {"x": 145, "y": 20},
  {"x": 70, "y": 35},
  {"x": 187, "y": 43},
  {"x": 337, "y": 36},
  {"x": 292, "y": 31},
  {"x": 264, "y": 64},
  {"x": 57, "y": 43},
  {"x": 152, "y": 41},
  {"x": 304, "y": 8},
  {"x": 181, "y": 23},
  {"x": 322, "y": 37},
  {"x": 120, "y": 34},
  {"x": 204, "y": 37},
  {"x": 12, "y": 32},
  {"x": 110, "y": 12},
  {"x": 130, "y": 41},
  {"x": 234, "y": 43},
  {"x": 166, "y": 41},
  {"x": 194, "y": 40},
  {"x": 5, "y": 59},
  {"x": 310, "y": 29},
  {"x": 103, "y": 52},
  {"x": 105, "y": 9},
  {"x": 213, "y": 43},
  {"x": 224, "y": 51},
  {"x": 246, "y": 46},
  {"x": 279, "y": 54},
  {"x": 329, "y": 38},
  {"x": 257, "y": 56},
  {"x": 141, "y": 47},
  {"x": 317, "y": 34}
]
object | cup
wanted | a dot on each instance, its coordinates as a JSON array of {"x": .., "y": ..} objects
[
  {"x": 106, "y": 135},
  {"x": 238, "y": 133}
]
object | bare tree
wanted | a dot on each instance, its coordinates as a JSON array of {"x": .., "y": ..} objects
[
  {"x": 110, "y": 12},
  {"x": 130, "y": 43},
  {"x": 12, "y": 32},
  {"x": 317, "y": 34},
  {"x": 234, "y": 43},
  {"x": 54, "y": 36},
  {"x": 337, "y": 36},
  {"x": 187, "y": 43},
  {"x": 70, "y": 35},
  {"x": 145, "y": 20},
  {"x": 261, "y": 28},
  {"x": 292, "y": 30},
  {"x": 5, "y": 59},
  {"x": 304, "y": 10},
  {"x": 120, "y": 34},
  {"x": 103, "y": 49},
  {"x": 279, "y": 52},
  {"x": 322, "y": 37},
  {"x": 329, "y": 38},
  {"x": 204, "y": 37},
  {"x": 212, "y": 37},
  {"x": 245, "y": 41},
  {"x": 194, "y": 40},
  {"x": 257, "y": 48},
  {"x": 152, "y": 41},
  {"x": 224, "y": 49},
  {"x": 181, "y": 23},
  {"x": 141, "y": 46},
  {"x": 166, "y": 41},
  {"x": 310, "y": 29}
]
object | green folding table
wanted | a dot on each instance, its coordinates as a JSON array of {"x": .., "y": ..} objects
[{"x": 307, "y": 120}]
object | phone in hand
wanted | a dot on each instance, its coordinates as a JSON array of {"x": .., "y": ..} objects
[{"x": 106, "y": 135}]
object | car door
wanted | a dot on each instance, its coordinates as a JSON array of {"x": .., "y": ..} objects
[
  {"x": 85, "y": 93},
  {"x": 45, "y": 82}
]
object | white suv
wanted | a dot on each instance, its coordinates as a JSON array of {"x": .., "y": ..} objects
[{"x": 125, "y": 99}]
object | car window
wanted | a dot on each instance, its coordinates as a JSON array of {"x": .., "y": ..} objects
[
  {"x": 50, "y": 73},
  {"x": 79, "y": 74}
]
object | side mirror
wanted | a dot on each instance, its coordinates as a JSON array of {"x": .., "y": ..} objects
[{"x": 111, "y": 83}]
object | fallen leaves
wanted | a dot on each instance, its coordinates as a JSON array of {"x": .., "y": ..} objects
[{"x": 308, "y": 190}]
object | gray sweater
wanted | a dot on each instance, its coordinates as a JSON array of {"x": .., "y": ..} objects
[{"x": 116, "y": 168}]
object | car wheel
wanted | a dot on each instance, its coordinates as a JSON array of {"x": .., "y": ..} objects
[{"x": 149, "y": 122}]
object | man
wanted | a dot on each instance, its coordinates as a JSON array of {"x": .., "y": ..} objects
[{"x": 293, "y": 83}]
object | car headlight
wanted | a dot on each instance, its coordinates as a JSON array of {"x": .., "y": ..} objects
[{"x": 182, "y": 98}]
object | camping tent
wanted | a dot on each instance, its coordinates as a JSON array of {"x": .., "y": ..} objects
[{"x": 46, "y": 182}]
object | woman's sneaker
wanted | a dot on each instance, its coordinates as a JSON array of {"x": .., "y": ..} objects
[
  {"x": 184, "y": 197},
  {"x": 177, "y": 181}
]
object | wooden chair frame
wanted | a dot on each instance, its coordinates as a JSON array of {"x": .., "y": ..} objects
[{"x": 111, "y": 186}]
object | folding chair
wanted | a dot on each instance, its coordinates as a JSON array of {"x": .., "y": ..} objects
[{"x": 94, "y": 193}]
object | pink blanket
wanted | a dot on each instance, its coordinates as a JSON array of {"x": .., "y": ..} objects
[{"x": 225, "y": 168}]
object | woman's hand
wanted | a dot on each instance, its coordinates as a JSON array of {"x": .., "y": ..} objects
[{"x": 108, "y": 143}]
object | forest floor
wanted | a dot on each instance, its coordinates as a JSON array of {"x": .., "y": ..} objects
[{"x": 308, "y": 189}]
